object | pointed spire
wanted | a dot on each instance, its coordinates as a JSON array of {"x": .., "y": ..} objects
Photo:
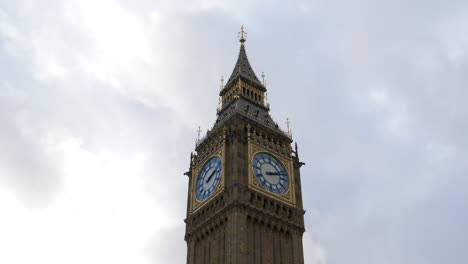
[{"x": 242, "y": 67}]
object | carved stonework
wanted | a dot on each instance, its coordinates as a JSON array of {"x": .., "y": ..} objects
[{"x": 240, "y": 221}]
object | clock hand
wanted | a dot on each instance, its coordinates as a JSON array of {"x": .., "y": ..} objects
[
  {"x": 276, "y": 173},
  {"x": 211, "y": 175}
]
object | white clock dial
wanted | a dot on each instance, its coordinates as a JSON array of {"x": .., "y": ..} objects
[
  {"x": 208, "y": 178},
  {"x": 271, "y": 173}
]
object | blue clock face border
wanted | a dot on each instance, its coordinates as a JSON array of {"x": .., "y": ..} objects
[
  {"x": 208, "y": 178},
  {"x": 271, "y": 173}
]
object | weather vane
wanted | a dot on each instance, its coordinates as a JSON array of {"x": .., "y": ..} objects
[{"x": 242, "y": 35}]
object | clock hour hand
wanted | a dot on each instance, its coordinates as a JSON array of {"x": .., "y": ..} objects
[{"x": 276, "y": 173}]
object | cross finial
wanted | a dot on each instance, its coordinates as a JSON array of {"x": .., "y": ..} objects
[
  {"x": 198, "y": 131},
  {"x": 242, "y": 35}
]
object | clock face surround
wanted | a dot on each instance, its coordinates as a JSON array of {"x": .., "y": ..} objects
[
  {"x": 271, "y": 173},
  {"x": 208, "y": 178}
]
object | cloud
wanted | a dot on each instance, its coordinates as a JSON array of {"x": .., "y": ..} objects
[
  {"x": 99, "y": 101},
  {"x": 26, "y": 161}
]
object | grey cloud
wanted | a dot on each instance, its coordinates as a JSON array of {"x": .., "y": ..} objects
[
  {"x": 373, "y": 195},
  {"x": 25, "y": 163},
  {"x": 164, "y": 248},
  {"x": 78, "y": 106}
]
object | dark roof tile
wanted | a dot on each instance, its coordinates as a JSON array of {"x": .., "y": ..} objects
[{"x": 243, "y": 69}]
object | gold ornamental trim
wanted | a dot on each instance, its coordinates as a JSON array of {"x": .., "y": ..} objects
[
  {"x": 287, "y": 162},
  {"x": 195, "y": 203}
]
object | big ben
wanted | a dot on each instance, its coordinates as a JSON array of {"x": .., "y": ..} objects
[{"x": 244, "y": 196}]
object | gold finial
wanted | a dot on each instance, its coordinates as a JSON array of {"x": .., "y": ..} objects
[
  {"x": 198, "y": 131},
  {"x": 242, "y": 35},
  {"x": 222, "y": 83}
]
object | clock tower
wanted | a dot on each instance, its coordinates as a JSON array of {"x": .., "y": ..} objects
[{"x": 244, "y": 196}]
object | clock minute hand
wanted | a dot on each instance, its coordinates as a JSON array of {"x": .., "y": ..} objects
[
  {"x": 211, "y": 175},
  {"x": 276, "y": 173}
]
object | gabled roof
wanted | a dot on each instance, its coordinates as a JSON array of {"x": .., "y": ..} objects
[{"x": 243, "y": 70}]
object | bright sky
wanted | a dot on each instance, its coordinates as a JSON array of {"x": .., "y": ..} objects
[{"x": 100, "y": 101}]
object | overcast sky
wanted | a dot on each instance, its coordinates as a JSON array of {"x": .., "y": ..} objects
[{"x": 100, "y": 101}]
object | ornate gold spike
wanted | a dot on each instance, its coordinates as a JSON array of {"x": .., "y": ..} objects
[
  {"x": 198, "y": 131},
  {"x": 242, "y": 35},
  {"x": 288, "y": 122}
]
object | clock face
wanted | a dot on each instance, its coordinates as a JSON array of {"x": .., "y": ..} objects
[
  {"x": 209, "y": 178},
  {"x": 270, "y": 173}
]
